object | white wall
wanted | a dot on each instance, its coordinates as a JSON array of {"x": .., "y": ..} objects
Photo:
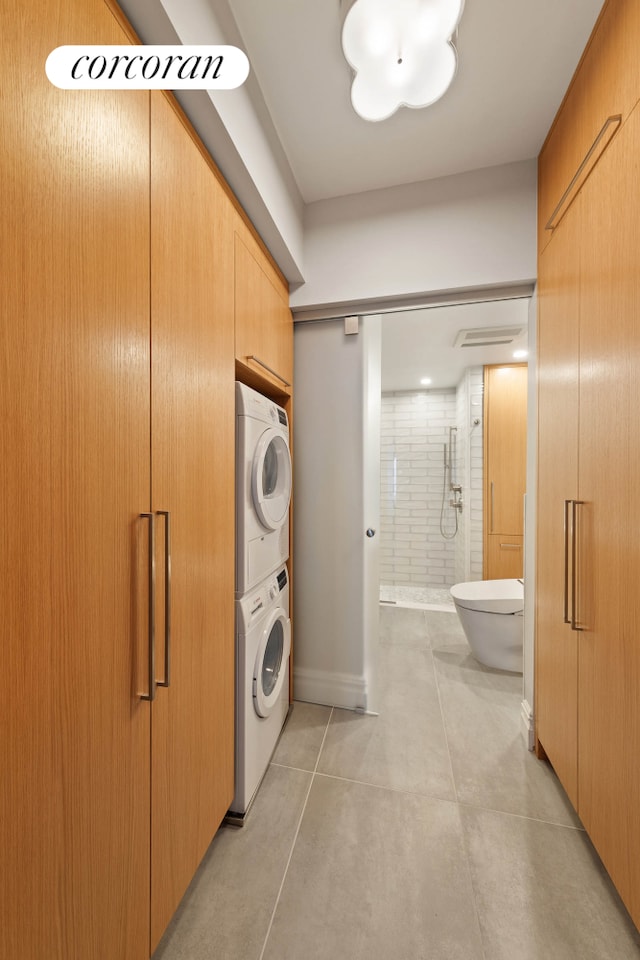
[
  {"x": 371, "y": 333},
  {"x": 467, "y": 231},
  {"x": 530, "y": 526},
  {"x": 329, "y": 524}
]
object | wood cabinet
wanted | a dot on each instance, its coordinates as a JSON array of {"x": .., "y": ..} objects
[
  {"x": 118, "y": 400},
  {"x": 74, "y": 476},
  {"x": 263, "y": 322},
  {"x": 605, "y": 87},
  {"x": 607, "y": 601},
  {"x": 587, "y": 678},
  {"x": 556, "y": 689},
  {"x": 504, "y": 556},
  {"x": 193, "y": 464},
  {"x": 505, "y": 458}
]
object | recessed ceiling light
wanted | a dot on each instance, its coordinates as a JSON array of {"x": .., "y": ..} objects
[
  {"x": 425, "y": 381},
  {"x": 520, "y": 354}
]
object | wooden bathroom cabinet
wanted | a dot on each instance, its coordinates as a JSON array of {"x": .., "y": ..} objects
[
  {"x": 505, "y": 459},
  {"x": 587, "y": 709}
]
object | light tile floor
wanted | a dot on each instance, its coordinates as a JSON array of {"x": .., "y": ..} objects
[
  {"x": 428, "y": 832},
  {"x": 434, "y": 598}
]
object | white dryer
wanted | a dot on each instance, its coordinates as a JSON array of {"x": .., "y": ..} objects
[
  {"x": 263, "y": 644},
  {"x": 263, "y": 487}
]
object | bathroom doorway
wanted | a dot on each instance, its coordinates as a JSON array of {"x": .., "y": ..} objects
[{"x": 431, "y": 443}]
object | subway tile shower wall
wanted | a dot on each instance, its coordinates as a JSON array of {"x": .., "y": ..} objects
[
  {"x": 476, "y": 471},
  {"x": 414, "y": 428},
  {"x": 470, "y": 474}
]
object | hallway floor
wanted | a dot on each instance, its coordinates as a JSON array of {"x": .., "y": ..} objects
[{"x": 428, "y": 832}]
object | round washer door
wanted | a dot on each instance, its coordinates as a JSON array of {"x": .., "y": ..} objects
[
  {"x": 269, "y": 670},
  {"x": 271, "y": 479}
]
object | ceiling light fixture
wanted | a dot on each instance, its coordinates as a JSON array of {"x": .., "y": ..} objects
[
  {"x": 425, "y": 381},
  {"x": 401, "y": 52},
  {"x": 520, "y": 354}
]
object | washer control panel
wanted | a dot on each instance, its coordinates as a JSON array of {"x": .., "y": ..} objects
[{"x": 253, "y": 606}]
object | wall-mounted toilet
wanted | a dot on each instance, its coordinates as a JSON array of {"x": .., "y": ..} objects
[{"x": 491, "y": 614}]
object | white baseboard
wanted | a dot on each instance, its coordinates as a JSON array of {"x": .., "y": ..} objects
[
  {"x": 333, "y": 689},
  {"x": 528, "y": 730}
]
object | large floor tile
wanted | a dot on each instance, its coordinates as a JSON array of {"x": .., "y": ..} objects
[
  {"x": 404, "y": 747},
  {"x": 400, "y": 625},
  {"x": 299, "y": 745},
  {"x": 228, "y": 906},
  {"x": 444, "y": 628},
  {"x": 376, "y": 875},
  {"x": 492, "y": 766},
  {"x": 542, "y": 893}
]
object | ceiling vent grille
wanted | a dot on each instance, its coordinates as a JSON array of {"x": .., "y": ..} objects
[{"x": 487, "y": 336}]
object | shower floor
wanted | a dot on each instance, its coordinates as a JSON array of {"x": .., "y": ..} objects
[{"x": 424, "y": 598}]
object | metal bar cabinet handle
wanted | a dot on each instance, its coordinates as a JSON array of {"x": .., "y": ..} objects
[
  {"x": 270, "y": 369},
  {"x": 152, "y": 611},
  {"x": 574, "y": 556},
  {"x": 565, "y": 607},
  {"x": 167, "y": 598}
]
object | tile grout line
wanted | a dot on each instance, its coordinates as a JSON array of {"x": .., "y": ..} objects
[
  {"x": 467, "y": 859},
  {"x": 435, "y": 797},
  {"x": 295, "y": 838},
  {"x": 442, "y": 717}
]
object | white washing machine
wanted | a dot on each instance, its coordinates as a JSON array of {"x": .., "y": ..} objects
[
  {"x": 263, "y": 487},
  {"x": 263, "y": 644}
]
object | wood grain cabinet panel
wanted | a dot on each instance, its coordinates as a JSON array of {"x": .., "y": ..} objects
[
  {"x": 609, "y": 561},
  {"x": 556, "y": 689},
  {"x": 590, "y": 349},
  {"x": 193, "y": 435},
  {"x": 74, "y": 383},
  {"x": 117, "y": 400},
  {"x": 263, "y": 322},
  {"x": 504, "y": 556},
  {"x": 606, "y": 84},
  {"x": 505, "y": 452}
]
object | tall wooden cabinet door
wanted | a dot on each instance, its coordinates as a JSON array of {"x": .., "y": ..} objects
[
  {"x": 505, "y": 447},
  {"x": 193, "y": 431},
  {"x": 264, "y": 326},
  {"x": 556, "y": 686},
  {"x": 609, "y": 574},
  {"x": 74, "y": 475}
]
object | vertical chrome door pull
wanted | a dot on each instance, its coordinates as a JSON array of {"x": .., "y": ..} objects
[
  {"x": 574, "y": 556},
  {"x": 565, "y": 608},
  {"x": 167, "y": 598},
  {"x": 152, "y": 611}
]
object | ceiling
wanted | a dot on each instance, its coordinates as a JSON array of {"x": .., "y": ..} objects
[
  {"x": 515, "y": 61},
  {"x": 420, "y": 343}
]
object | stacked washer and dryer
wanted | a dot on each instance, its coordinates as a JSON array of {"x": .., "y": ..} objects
[{"x": 263, "y": 627}]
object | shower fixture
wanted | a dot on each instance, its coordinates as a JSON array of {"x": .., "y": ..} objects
[{"x": 455, "y": 502}]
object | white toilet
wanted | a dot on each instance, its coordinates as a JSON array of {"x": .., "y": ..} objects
[{"x": 491, "y": 614}]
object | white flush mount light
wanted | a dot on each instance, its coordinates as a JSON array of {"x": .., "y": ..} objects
[
  {"x": 401, "y": 52},
  {"x": 426, "y": 381},
  {"x": 520, "y": 354}
]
